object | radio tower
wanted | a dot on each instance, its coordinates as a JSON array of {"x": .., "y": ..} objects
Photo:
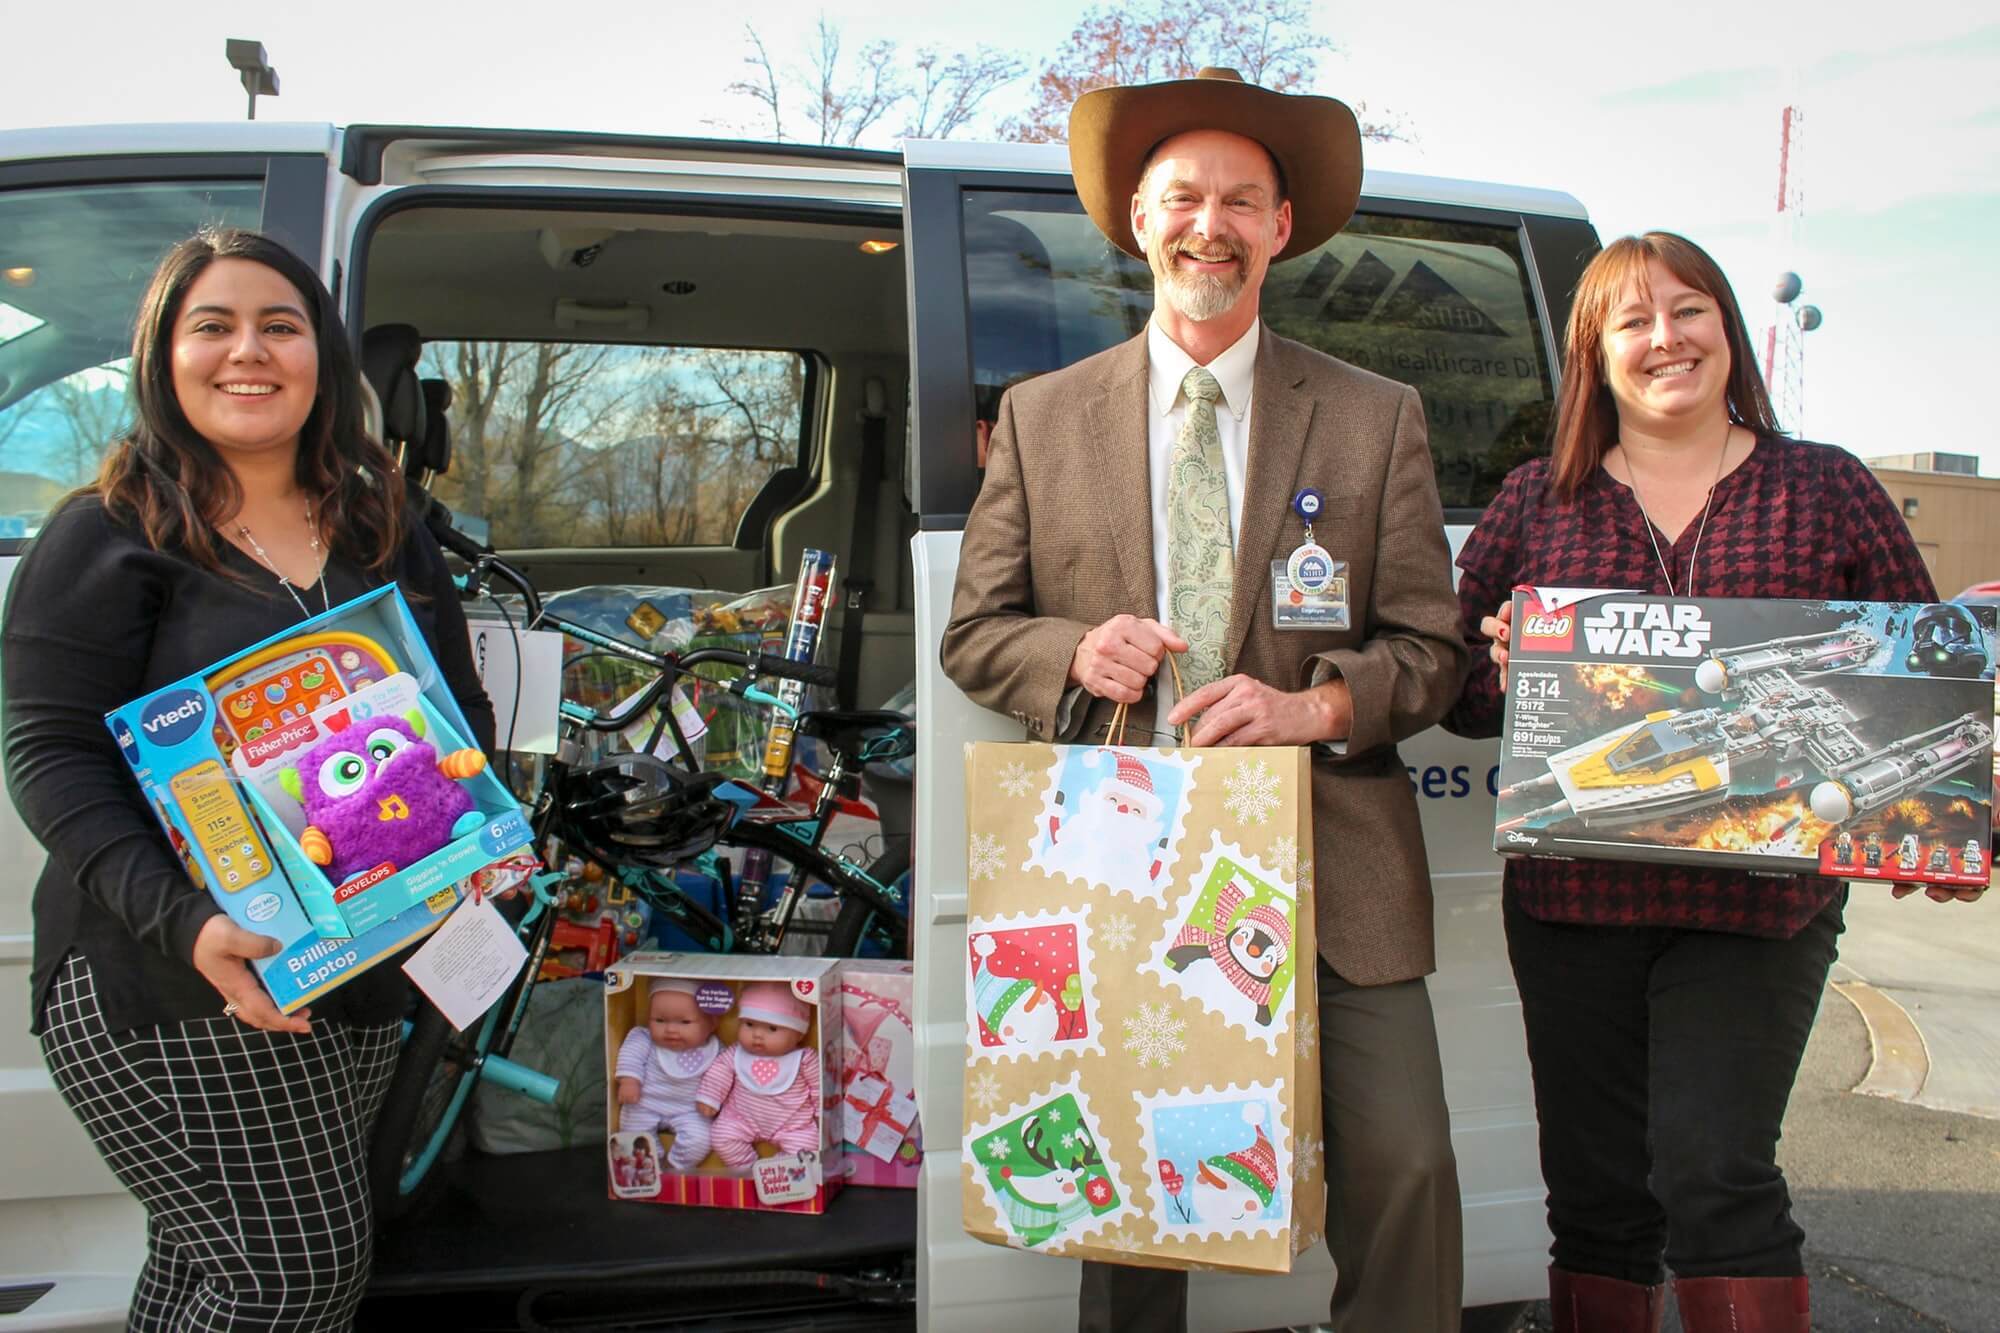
[{"x": 1784, "y": 341}]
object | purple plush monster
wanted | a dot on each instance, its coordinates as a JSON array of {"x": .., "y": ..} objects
[{"x": 377, "y": 792}]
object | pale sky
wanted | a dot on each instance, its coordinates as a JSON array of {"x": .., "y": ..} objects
[{"x": 1652, "y": 116}]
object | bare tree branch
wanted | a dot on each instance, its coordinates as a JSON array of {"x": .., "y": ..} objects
[
  {"x": 764, "y": 90},
  {"x": 949, "y": 92}
]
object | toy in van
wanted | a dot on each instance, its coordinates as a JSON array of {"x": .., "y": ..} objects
[
  {"x": 321, "y": 786},
  {"x": 725, "y": 1072},
  {"x": 1768, "y": 735}
]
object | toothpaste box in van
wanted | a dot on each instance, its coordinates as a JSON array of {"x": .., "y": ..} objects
[
  {"x": 322, "y": 785},
  {"x": 1851, "y": 739}
]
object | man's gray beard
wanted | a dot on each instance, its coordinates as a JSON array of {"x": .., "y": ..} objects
[{"x": 1197, "y": 296}]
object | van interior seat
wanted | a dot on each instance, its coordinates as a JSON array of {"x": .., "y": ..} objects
[
  {"x": 389, "y": 354},
  {"x": 433, "y": 458}
]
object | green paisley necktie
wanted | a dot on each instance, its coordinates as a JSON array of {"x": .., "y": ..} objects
[{"x": 1201, "y": 556}]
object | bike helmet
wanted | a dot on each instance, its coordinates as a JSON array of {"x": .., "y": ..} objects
[{"x": 636, "y": 809}]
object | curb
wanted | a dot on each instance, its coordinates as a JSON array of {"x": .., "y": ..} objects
[{"x": 1899, "y": 1064}]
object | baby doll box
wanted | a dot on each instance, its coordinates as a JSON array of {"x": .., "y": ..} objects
[
  {"x": 801, "y": 1181},
  {"x": 1852, "y": 739},
  {"x": 339, "y": 695},
  {"x": 881, "y": 1142}
]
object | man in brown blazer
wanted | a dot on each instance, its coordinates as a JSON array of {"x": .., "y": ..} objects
[{"x": 1086, "y": 559}]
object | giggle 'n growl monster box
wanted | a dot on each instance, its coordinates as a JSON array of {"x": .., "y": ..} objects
[
  {"x": 324, "y": 788},
  {"x": 1852, "y": 739}
]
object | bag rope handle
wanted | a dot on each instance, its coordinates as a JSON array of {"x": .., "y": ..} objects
[{"x": 1114, "y": 733}]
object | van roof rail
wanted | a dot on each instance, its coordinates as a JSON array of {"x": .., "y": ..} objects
[{"x": 363, "y": 146}]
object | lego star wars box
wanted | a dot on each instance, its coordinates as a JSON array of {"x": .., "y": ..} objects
[{"x": 1852, "y": 739}]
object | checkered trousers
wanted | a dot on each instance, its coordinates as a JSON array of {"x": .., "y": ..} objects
[{"x": 248, "y": 1149}]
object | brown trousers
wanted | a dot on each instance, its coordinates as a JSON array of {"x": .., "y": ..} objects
[{"x": 1392, "y": 1218}]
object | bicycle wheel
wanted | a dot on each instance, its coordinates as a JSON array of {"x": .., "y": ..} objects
[
  {"x": 858, "y": 918},
  {"x": 423, "y": 1111}
]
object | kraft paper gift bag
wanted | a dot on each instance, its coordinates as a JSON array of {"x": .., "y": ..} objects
[{"x": 1142, "y": 1072}]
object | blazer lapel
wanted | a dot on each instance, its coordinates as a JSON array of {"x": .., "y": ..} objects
[
  {"x": 1114, "y": 429},
  {"x": 1280, "y": 416}
]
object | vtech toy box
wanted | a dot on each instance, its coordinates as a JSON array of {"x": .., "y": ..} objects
[
  {"x": 322, "y": 785},
  {"x": 1842, "y": 738}
]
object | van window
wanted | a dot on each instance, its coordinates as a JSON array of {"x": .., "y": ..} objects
[
  {"x": 585, "y": 444},
  {"x": 74, "y": 261},
  {"x": 1443, "y": 306}
]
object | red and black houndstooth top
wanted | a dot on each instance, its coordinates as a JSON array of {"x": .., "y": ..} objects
[{"x": 1793, "y": 520}]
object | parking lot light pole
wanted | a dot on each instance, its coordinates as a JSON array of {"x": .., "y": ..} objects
[{"x": 249, "y": 60}]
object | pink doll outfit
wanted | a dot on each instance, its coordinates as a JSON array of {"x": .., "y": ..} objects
[
  {"x": 669, "y": 1082},
  {"x": 771, "y": 1099}
]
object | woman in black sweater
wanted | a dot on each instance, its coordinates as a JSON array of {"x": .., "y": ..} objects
[{"x": 246, "y": 498}]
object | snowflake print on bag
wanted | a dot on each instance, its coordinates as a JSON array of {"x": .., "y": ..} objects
[
  {"x": 1153, "y": 1036},
  {"x": 1015, "y": 780},
  {"x": 1118, "y": 932},
  {"x": 1252, "y": 792},
  {"x": 982, "y": 858},
  {"x": 1285, "y": 857}
]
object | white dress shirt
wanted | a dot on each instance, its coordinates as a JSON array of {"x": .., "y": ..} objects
[{"x": 1166, "y": 408}]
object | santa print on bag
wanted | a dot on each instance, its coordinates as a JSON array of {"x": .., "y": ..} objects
[
  {"x": 1029, "y": 984},
  {"x": 1113, "y": 818}
]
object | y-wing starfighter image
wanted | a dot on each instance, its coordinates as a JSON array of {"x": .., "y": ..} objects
[
  {"x": 1675, "y": 760},
  {"x": 1651, "y": 728}
]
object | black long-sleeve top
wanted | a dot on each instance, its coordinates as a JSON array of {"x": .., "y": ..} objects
[{"x": 95, "y": 617}]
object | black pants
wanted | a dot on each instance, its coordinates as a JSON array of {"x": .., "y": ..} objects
[{"x": 1663, "y": 1060}]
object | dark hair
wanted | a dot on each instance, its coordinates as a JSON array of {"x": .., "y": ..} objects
[
  {"x": 1586, "y": 416},
  {"x": 174, "y": 483}
]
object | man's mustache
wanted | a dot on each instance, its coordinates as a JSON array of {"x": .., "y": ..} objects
[{"x": 1227, "y": 250}]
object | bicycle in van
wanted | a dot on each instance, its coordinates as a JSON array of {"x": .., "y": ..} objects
[{"x": 675, "y": 363}]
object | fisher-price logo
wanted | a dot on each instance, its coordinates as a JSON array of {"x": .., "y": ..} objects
[
  {"x": 172, "y": 717},
  {"x": 1545, "y": 631}
]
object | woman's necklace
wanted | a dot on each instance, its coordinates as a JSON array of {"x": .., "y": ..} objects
[
  {"x": 264, "y": 559},
  {"x": 1646, "y": 516}
]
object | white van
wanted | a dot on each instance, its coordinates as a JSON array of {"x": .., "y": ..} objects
[{"x": 678, "y": 362}]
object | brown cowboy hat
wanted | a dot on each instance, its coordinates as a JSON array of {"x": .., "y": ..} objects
[{"x": 1315, "y": 140}]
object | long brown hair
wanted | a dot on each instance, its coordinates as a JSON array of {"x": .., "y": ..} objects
[
  {"x": 1586, "y": 415},
  {"x": 164, "y": 474}
]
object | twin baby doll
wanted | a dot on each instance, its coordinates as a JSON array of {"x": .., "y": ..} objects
[{"x": 675, "y": 1075}]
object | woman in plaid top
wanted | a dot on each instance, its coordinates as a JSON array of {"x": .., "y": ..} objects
[{"x": 1667, "y": 1007}]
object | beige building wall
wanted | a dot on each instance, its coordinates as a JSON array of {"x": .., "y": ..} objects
[{"x": 1955, "y": 519}]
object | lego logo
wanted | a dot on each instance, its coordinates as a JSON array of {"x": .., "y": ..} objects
[{"x": 1547, "y": 626}]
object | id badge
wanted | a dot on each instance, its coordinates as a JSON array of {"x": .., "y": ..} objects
[{"x": 1295, "y": 604}]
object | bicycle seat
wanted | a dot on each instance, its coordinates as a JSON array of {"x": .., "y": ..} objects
[{"x": 861, "y": 735}]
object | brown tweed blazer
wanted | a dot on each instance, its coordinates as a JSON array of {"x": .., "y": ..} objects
[{"x": 1060, "y": 540}]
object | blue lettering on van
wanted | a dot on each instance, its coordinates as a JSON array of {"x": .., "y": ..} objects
[
  {"x": 172, "y": 717},
  {"x": 1439, "y": 783}
]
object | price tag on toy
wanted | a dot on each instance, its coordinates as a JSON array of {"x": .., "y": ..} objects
[{"x": 469, "y": 963}]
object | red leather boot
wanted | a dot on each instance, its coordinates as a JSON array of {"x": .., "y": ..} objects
[
  {"x": 1744, "y": 1304},
  {"x": 1587, "y": 1303}
]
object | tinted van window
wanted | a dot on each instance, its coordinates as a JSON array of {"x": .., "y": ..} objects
[
  {"x": 1443, "y": 306},
  {"x": 585, "y": 444},
  {"x": 73, "y": 263}
]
